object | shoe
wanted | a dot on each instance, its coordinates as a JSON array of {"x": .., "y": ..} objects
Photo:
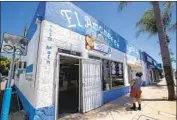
[
  {"x": 139, "y": 108},
  {"x": 134, "y": 107}
]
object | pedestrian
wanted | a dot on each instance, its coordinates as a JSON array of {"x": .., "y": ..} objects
[{"x": 135, "y": 92}]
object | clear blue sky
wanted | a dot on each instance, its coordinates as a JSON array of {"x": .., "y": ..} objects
[{"x": 15, "y": 15}]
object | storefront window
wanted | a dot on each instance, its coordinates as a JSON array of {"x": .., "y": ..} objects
[
  {"x": 24, "y": 65},
  {"x": 117, "y": 74},
  {"x": 106, "y": 74},
  {"x": 20, "y": 64},
  {"x": 112, "y": 74}
]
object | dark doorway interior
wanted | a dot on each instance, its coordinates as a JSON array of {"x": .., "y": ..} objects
[{"x": 68, "y": 85}]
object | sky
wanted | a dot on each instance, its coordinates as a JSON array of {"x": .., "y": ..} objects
[{"x": 15, "y": 15}]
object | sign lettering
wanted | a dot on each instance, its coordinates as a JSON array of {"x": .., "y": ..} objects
[
  {"x": 88, "y": 24},
  {"x": 71, "y": 17},
  {"x": 48, "y": 46}
]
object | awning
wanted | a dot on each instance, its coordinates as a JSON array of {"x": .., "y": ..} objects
[
  {"x": 155, "y": 67},
  {"x": 159, "y": 68}
]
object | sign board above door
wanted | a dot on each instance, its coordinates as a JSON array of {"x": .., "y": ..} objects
[{"x": 69, "y": 52}]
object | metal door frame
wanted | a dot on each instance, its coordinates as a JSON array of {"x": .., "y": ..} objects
[
  {"x": 57, "y": 79},
  {"x": 81, "y": 73}
]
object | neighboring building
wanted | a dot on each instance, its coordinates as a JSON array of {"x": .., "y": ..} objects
[
  {"x": 153, "y": 69},
  {"x": 134, "y": 61},
  {"x": 74, "y": 63}
]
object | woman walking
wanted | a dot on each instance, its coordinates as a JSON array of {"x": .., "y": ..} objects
[{"x": 136, "y": 90}]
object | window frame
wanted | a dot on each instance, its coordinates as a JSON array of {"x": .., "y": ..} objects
[{"x": 111, "y": 78}]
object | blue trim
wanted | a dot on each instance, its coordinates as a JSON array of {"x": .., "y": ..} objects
[
  {"x": 38, "y": 14},
  {"x": 29, "y": 68},
  {"x": 45, "y": 113},
  {"x": 26, "y": 104},
  {"x": 151, "y": 64},
  {"x": 6, "y": 104},
  {"x": 114, "y": 94}
]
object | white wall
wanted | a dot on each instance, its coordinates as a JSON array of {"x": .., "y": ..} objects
[
  {"x": 27, "y": 87},
  {"x": 65, "y": 39},
  {"x": 40, "y": 91},
  {"x": 136, "y": 65},
  {"x": 62, "y": 38}
]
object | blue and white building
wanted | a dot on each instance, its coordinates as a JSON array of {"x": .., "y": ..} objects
[
  {"x": 152, "y": 69},
  {"x": 64, "y": 38}
]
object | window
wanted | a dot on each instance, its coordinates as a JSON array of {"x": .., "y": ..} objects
[
  {"x": 24, "y": 65},
  {"x": 117, "y": 74},
  {"x": 20, "y": 64},
  {"x": 112, "y": 73},
  {"x": 106, "y": 74}
]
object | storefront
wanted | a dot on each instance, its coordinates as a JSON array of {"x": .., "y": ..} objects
[
  {"x": 134, "y": 61},
  {"x": 70, "y": 55},
  {"x": 153, "y": 69}
]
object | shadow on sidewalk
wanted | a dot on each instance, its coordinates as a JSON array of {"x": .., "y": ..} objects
[
  {"x": 121, "y": 104},
  {"x": 156, "y": 86},
  {"x": 154, "y": 100},
  {"x": 116, "y": 106}
]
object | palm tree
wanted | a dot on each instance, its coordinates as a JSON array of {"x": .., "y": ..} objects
[
  {"x": 164, "y": 52},
  {"x": 147, "y": 24},
  {"x": 167, "y": 7},
  {"x": 157, "y": 24}
]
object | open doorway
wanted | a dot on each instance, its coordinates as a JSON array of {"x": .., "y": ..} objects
[{"x": 68, "y": 85}]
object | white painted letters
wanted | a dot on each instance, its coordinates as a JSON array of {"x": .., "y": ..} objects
[
  {"x": 74, "y": 21},
  {"x": 68, "y": 17},
  {"x": 79, "y": 24},
  {"x": 88, "y": 23}
]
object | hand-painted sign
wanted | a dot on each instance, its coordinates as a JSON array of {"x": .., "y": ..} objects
[
  {"x": 71, "y": 17},
  {"x": 48, "y": 46},
  {"x": 100, "y": 47},
  {"x": 133, "y": 51},
  {"x": 89, "y": 42},
  {"x": 150, "y": 61}
]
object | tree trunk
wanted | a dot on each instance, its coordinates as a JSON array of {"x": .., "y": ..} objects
[{"x": 164, "y": 52}]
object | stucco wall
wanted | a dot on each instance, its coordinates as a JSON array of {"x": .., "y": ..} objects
[
  {"x": 24, "y": 84},
  {"x": 54, "y": 36}
]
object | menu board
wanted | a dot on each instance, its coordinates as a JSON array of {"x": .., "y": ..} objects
[{"x": 116, "y": 69}]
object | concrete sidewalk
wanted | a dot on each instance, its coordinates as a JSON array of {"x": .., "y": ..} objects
[{"x": 154, "y": 107}]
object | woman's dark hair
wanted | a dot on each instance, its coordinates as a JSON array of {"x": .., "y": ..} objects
[{"x": 139, "y": 74}]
